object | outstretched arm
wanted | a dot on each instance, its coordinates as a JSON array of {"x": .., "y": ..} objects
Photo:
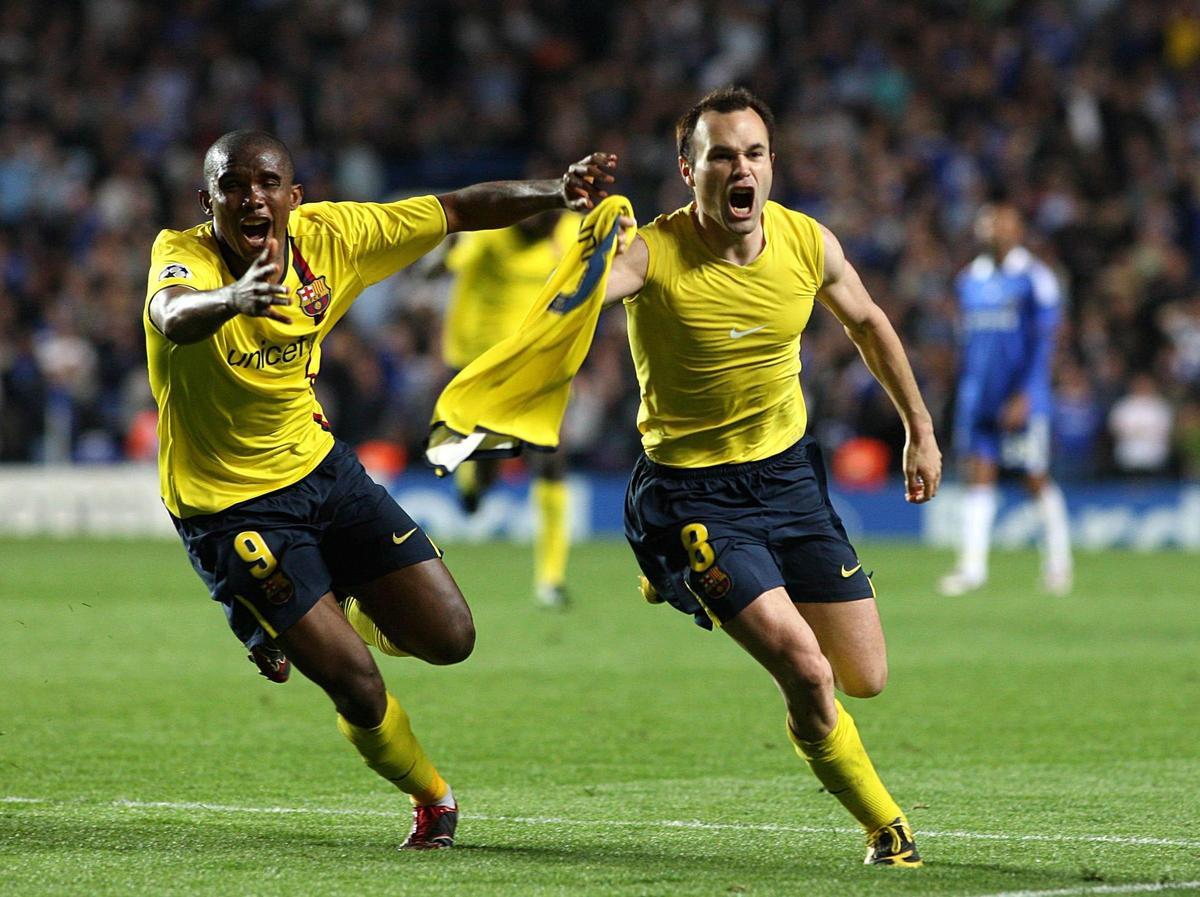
[
  {"x": 498, "y": 204},
  {"x": 868, "y": 327},
  {"x": 185, "y": 315},
  {"x": 628, "y": 274}
]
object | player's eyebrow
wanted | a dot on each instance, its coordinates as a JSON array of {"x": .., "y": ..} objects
[
  {"x": 240, "y": 172},
  {"x": 722, "y": 148}
]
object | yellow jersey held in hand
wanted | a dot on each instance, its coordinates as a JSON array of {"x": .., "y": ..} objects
[
  {"x": 237, "y": 415},
  {"x": 516, "y": 392},
  {"x": 716, "y": 345}
]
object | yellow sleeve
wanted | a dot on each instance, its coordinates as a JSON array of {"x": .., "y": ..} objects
[
  {"x": 181, "y": 259},
  {"x": 382, "y": 238}
]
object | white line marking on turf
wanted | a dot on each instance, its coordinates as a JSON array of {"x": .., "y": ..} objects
[
  {"x": 621, "y": 823},
  {"x": 1105, "y": 889}
]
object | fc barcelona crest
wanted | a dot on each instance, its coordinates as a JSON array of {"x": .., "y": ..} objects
[
  {"x": 314, "y": 298},
  {"x": 716, "y": 583},
  {"x": 278, "y": 589}
]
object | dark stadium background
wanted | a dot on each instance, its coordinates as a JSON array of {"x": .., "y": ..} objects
[{"x": 897, "y": 119}]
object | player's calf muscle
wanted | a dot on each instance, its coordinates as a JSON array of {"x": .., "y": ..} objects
[
  {"x": 803, "y": 675},
  {"x": 363, "y": 703}
]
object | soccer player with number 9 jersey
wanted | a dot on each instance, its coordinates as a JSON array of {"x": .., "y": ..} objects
[{"x": 278, "y": 517}]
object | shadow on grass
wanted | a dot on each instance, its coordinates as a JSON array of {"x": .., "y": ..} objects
[
  {"x": 91, "y": 830},
  {"x": 345, "y": 847}
]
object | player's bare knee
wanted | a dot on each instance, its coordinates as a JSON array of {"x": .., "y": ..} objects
[
  {"x": 864, "y": 686},
  {"x": 454, "y": 645}
]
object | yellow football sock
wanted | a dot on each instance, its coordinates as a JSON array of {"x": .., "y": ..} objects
[
  {"x": 553, "y": 536},
  {"x": 367, "y": 630},
  {"x": 393, "y": 751},
  {"x": 840, "y": 761},
  {"x": 466, "y": 478}
]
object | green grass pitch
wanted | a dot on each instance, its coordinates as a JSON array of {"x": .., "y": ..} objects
[{"x": 1039, "y": 745}]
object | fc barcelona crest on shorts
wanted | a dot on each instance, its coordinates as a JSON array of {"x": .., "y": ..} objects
[
  {"x": 715, "y": 582},
  {"x": 314, "y": 298},
  {"x": 278, "y": 589}
]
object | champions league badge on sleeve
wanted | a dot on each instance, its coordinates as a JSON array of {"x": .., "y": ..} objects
[{"x": 174, "y": 270}]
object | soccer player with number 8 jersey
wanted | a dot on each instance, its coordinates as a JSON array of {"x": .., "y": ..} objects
[{"x": 727, "y": 510}]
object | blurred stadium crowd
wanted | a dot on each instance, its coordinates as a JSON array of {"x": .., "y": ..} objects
[{"x": 897, "y": 120}]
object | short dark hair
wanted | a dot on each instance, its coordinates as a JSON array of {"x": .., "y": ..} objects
[
  {"x": 235, "y": 142},
  {"x": 724, "y": 99}
]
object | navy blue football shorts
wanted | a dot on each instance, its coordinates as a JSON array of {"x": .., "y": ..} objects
[
  {"x": 1027, "y": 449},
  {"x": 978, "y": 430},
  {"x": 713, "y": 539},
  {"x": 270, "y": 559}
]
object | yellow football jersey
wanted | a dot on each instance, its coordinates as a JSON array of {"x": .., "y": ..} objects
[
  {"x": 498, "y": 273},
  {"x": 237, "y": 415},
  {"x": 716, "y": 345}
]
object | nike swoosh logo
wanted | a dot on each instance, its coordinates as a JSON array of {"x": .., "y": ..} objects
[
  {"x": 734, "y": 333},
  {"x": 400, "y": 540},
  {"x": 846, "y": 574}
]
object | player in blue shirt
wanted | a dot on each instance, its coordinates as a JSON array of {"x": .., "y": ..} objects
[{"x": 1010, "y": 305}]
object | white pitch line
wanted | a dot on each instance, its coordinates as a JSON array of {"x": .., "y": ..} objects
[
  {"x": 1104, "y": 839},
  {"x": 694, "y": 824},
  {"x": 1149, "y": 887}
]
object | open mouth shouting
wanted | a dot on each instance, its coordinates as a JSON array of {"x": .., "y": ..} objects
[
  {"x": 255, "y": 230},
  {"x": 741, "y": 202}
]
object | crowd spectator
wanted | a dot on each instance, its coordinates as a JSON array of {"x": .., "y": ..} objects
[
  {"x": 1141, "y": 422},
  {"x": 898, "y": 118},
  {"x": 1078, "y": 427}
]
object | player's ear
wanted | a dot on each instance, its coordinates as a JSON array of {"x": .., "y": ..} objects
[
  {"x": 297, "y": 194},
  {"x": 685, "y": 171},
  {"x": 205, "y": 202}
]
